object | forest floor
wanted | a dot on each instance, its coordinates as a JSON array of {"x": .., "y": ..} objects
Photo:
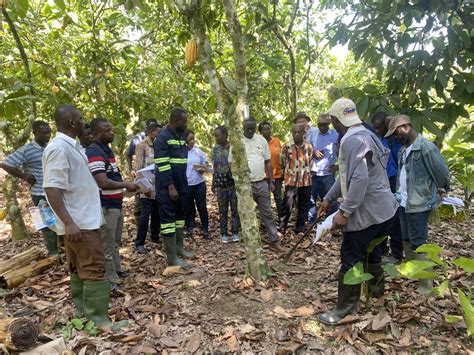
[{"x": 213, "y": 308}]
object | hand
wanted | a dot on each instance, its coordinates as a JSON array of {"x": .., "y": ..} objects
[
  {"x": 131, "y": 186},
  {"x": 174, "y": 196},
  {"x": 133, "y": 174},
  {"x": 30, "y": 179},
  {"x": 72, "y": 232},
  {"x": 333, "y": 168},
  {"x": 318, "y": 154},
  {"x": 339, "y": 221},
  {"x": 148, "y": 194},
  {"x": 271, "y": 186},
  {"x": 200, "y": 171},
  {"x": 442, "y": 192},
  {"x": 323, "y": 209}
]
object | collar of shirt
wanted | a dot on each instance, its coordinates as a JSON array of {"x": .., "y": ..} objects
[
  {"x": 68, "y": 139},
  {"x": 105, "y": 147},
  {"x": 36, "y": 145}
]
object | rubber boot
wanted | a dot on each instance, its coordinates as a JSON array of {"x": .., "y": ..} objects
[
  {"x": 171, "y": 253},
  {"x": 425, "y": 285},
  {"x": 77, "y": 286},
  {"x": 408, "y": 251},
  {"x": 179, "y": 244},
  {"x": 376, "y": 285},
  {"x": 347, "y": 299},
  {"x": 96, "y": 302},
  {"x": 51, "y": 242}
]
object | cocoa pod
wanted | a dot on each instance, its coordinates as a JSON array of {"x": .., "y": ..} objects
[{"x": 190, "y": 53}]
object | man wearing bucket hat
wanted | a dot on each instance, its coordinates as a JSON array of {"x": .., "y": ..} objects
[
  {"x": 367, "y": 209},
  {"x": 422, "y": 173},
  {"x": 303, "y": 119}
]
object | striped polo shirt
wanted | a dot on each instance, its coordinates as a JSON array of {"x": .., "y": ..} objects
[
  {"x": 29, "y": 158},
  {"x": 102, "y": 160}
]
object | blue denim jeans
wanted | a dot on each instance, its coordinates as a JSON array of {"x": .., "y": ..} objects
[
  {"x": 320, "y": 187},
  {"x": 227, "y": 196},
  {"x": 414, "y": 227}
]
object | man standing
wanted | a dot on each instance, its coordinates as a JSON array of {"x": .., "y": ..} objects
[
  {"x": 274, "y": 144},
  {"x": 422, "y": 175},
  {"x": 73, "y": 195},
  {"x": 171, "y": 155},
  {"x": 296, "y": 159},
  {"x": 368, "y": 207},
  {"x": 260, "y": 166},
  {"x": 303, "y": 119},
  {"x": 323, "y": 167},
  {"x": 380, "y": 129},
  {"x": 28, "y": 157},
  {"x": 106, "y": 173}
]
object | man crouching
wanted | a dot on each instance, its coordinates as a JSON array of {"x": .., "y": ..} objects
[{"x": 367, "y": 209}]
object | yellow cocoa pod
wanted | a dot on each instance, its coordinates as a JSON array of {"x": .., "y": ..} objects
[
  {"x": 3, "y": 213},
  {"x": 88, "y": 114},
  {"x": 54, "y": 89},
  {"x": 190, "y": 53}
]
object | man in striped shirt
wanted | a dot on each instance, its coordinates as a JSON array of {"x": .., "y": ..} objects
[
  {"x": 25, "y": 163},
  {"x": 106, "y": 173}
]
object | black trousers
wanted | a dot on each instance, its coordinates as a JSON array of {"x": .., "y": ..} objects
[
  {"x": 303, "y": 195},
  {"x": 196, "y": 194}
]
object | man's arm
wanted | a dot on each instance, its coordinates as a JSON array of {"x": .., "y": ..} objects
[
  {"x": 268, "y": 169},
  {"x": 56, "y": 202},
  {"x": 163, "y": 172},
  {"x": 105, "y": 183},
  {"x": 18, "y": 173},
  {"x": 437, "y": 168}
]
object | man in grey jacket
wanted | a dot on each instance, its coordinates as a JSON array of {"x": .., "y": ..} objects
[
  {"x": 367, "y": 209},
  {"x": 422, "y": 174}
]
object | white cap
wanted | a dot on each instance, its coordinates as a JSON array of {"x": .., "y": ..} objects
[{"x": 345, "y": 111}]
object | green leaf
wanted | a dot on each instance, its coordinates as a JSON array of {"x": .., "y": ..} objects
[
  {"x": 468, "y": 311},
  {"x": 452, "y": 319},
  {"x": 466, "y": 264},
  {"x": 441, "y": 289},
  {"x": 60, "y": 4},
  {"x": 77, "y": 323},
  {"x": 356, "y": 275},
  {"x": 89, "y": 326},
  {"x": 391, "y": 270},
  {"x": 429, "y": 248},
  {"x": 362, "y": 106},
  {"x": 375, "y": 242},
  {"x": 413, "y": 269}
]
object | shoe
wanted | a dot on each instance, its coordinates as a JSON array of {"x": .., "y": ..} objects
[
  {"x": 235, "y": 238},
  {"x": 390, "y": 260},
  {"x": 376, "y": 285},
  {"x": 180, "y": 251},
  {"x": 425, "y": 286},
  {"x": 114, "y": 288},
  {"x": 224, "y": 239},
  {"x": 140, "y": 250},
  {"x": 347, "y": 299},
  {"x": 156, "y": 240},
  {"x": 277, "y": 246},
  {"x": 123, "y": 274},
  {"x": 77, "y": 289},
  {"x": 96, "y": 302},
  {"x": 171, "y": 253}
]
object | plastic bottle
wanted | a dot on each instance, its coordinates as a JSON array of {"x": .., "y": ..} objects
[{"x": 47, "y": 214}]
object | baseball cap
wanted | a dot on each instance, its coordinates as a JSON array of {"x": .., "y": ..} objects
[
  {"x": 324, "y": 118},
  {"x": 301, "y": 114},
  {"x": 395, "y": 122},
  {"x": 345, "y": 111}
]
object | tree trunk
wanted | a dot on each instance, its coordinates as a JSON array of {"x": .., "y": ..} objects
[
  {"x": 234, "y": 114},
  {"x": 10, "y": 188},
  {"x": 20, "y": 260},
  {"x": 13, "y": 278},
  {"x": 18, "y": 334}
]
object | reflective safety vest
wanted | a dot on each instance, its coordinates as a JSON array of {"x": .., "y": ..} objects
[{"x": 171, "y": 158}]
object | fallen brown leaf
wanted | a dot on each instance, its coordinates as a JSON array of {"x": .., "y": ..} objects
[
  {"x": 170, "y": 270},
  {"x": 266, "y": 295},
  {"x": 381, "y": 320},
  {"x": 304, "y": 311},
  {"x": 194, "y": 342}
]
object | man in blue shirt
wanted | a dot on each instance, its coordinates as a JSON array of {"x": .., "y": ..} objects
[
  {"x": 28, "y": 157},
  {"x": 323, "y": 168},
  {"x": 380, "y": 128}
]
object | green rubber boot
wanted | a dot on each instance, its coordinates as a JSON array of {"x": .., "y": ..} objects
[
  {"x": 425, "y": 285},
  {"x": 96, "y": 302},
  {"x": 171, "y": 253},
  {"x": 51, "y": 242},
  {"x": 347, "y": 300},
  {"x": 409, "y": 255},
  {"x": 376, "y": 285},
  {"x": 77, "y": 286},
  {"x": 179, "y": 245}
]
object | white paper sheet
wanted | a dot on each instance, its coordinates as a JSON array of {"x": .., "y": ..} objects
[{"x": 323, "y": 228}]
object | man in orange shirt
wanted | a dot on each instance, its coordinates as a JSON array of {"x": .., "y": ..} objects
[{"x": 265, "y": 129}]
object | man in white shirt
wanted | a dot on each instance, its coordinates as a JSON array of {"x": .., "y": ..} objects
[
  {"x": 74, "y": 196},
  {"x": 258, "y": 157}
]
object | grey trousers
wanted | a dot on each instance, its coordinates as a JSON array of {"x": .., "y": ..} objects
[
  {"x": 261, "y": 195},
  {"x": 111, "y": 234}
]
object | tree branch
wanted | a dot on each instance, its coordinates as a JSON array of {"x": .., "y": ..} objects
[{"x": 292, "y": 21}]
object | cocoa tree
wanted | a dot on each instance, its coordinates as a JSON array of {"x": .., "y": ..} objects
[{"x": 231, "y": 95}]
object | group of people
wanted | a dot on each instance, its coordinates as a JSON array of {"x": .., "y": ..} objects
[{"x": 389, "y": 178}]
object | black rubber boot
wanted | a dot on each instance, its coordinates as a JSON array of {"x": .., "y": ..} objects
[
  {"x": 171, "y": 253},
  {"x": 77, "y": 286},
  {"x": 96, "y": 302},
  {"x": 347, "y": 299},
  {"x": 409, "y": 255},
  {"x": 375, "y": 285},
  {"x": 180, "y": 243}
]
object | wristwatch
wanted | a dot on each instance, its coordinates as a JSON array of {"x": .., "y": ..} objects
[{"x": 344, "y": 213}]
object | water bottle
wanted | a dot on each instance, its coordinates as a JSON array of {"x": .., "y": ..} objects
[{"x": 49, "y": 219}]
